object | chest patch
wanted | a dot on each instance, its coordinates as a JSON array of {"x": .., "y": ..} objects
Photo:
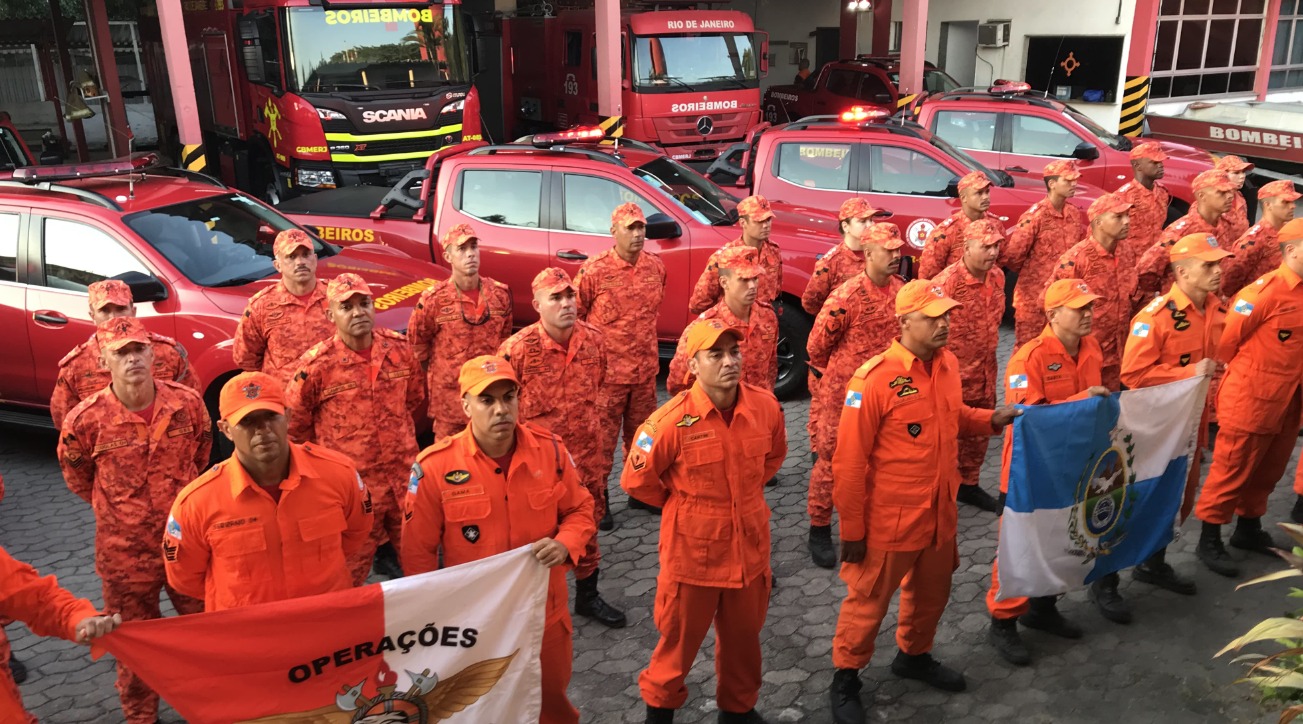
[
  {"x": 1054, "y": 367},
  {"x": 1284, "y": 334},
  {"x": 471, "y": 533},
  {"x": 1185, "y": 359},
  {"x": 687, "y": 421},
  {"x": 900, "y": 380},
  {"x": 914, "y": 429},
  {"x": 906, "y": 391},
  {"x": 457, "y": 477}
]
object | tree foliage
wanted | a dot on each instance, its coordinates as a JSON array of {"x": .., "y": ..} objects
[{"x": 73, "y": 10}]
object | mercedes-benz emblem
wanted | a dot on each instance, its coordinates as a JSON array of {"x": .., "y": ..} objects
[{"x": 705, "y": 125}]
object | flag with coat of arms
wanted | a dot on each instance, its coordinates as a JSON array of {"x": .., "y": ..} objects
[{"x": 1095, "y": 485}]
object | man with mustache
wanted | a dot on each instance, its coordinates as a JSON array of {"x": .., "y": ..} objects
[
  {"x": 128, "y": 450},
  {"x": 356, "y": 393},
  {"x": 945, "y": 244},
  {"x": 282, "y": 321}
]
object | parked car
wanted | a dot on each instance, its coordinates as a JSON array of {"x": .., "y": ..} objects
[{"x": 865, "y": 80}]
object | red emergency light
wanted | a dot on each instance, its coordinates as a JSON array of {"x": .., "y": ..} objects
[
  {"x": 133, "y": 164},
  {"x": 1009, "y": 87},
  {"x": 863, "y": 114},
  {"x": 582, "y": 133}
]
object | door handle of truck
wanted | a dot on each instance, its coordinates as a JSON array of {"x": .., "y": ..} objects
[
  {"x": 1015, "y": 169},
  {"x": 46, "y": 316},
  {"x": 572, "y": 255}
]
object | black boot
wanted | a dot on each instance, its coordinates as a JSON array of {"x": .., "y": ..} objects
[
  {"x": 607, "y": 523},
  {"x": 1213, "y": 554},
  {"x": 1003, "y": 635},
  {"x": 1156, "y": 571},
  {"x": 635, "y": 504},
  {"x": 588, "y": 602},
  {"x": 844, "y": 697},
  {"x": 17, "y": 669},
  {"x": 750, "y": 717},
  {"x": 659, "y": 715},
  {"x": 1111, "y": 604},
  {"x": 1296, "y": 514},
  {"x": 386, "y": 562},
  {"x": 1250, "y": 536},
  {"x": 974, "y": 495},
  {"x": 928, "y": 670},
  {"x": 1043, "y": 615},
  {"x": 821, "y": 549}
]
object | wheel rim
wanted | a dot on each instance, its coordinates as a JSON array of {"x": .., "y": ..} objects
[{"x": 786, "y": 360}]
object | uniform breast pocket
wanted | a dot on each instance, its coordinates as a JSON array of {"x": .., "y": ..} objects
[
  {"x": 242, "y": 551},
  {"x": 459, "y": 511},
  {"x": 705, "y": 463},
  {"x": 754, "y": 450},
  {"x": 323, "y": 531}
]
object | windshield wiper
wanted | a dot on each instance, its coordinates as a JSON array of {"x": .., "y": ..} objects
[
  {"x": 677, "y": 82},
  {"x": 729, "y": 78}
]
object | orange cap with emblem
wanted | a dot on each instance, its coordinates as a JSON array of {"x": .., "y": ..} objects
[
  {"x": 121, "y": 331},
  {"x": 551, "y": 280},
  {"x": 478, "y": 373},
  {"x": 743, "y": 261},
  {"x": 1291, "y": 232},
  {"x": 1233, "y": 164},
  {"x": 921, "y": 295},
  {"x": 1282, "y": 188},
  {"x": 458, "y": 235},
  {"x": 346, "y": 285},
  {"x": 109, "y": 291},
  {"x": 1214, "y": 179},
  {"x": 856, "y": 208},
  {"x": 249, "y": 391},
  {"x": 703, "y": 333},
  {"x": 755, "y": 208},
  {"x": 987, "y": 231},
  {"x": 1203, "y": 247},
  {"x": 626, "y": 215},
  {"x": 884, "y": 234},
  {"x": 1107, "y": 204},
  {"x": 289, "y": 240},
  {"x": 974, "y": 180},
  {"x": 1063, "y": 168},
  {"x": 1069, "y": 293},
  {"x": 1148, "y": 151}
]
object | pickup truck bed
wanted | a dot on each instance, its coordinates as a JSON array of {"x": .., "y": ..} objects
[{"x": 352, "y": 201}]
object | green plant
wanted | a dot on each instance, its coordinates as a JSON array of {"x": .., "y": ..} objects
[{"x": 1278, "y": 676}]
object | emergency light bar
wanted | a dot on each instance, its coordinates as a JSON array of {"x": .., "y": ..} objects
[
  {"x": 1009, "y": 87},
  {"x": 862, "y": 114},
  {"x": 133, "y": 164},
  {"x": 583, "y": 133}
]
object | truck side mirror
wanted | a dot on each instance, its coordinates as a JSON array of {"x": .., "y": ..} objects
[
  {"x": 251, "y": 50},
  {"x": 144, "y": 287},
  {"x": 764, "y": 54},
  {"x": 1085, "y": 152},
  {"x": 661, "y": 226}
]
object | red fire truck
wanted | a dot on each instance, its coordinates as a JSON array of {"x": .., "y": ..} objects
[
  {"x": 690, "y": 78},
  {"x": 298, "y": 95}
]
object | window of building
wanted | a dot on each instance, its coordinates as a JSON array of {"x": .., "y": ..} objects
[
  {"x": 1207, "y": 47},
  {"x": 815, "y": 165},
  {"x": 1287, "y": 53},
  {"x": 1075, "y": 67}
]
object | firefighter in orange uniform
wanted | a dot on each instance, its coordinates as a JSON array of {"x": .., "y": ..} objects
[
  {"x": 620, "y": 293},
  {"x": 464, "y": 316},
  {"x": 1258, "y": 251},
  {"x": 757, "y": 221},
  {"x": 845, "y": 260},
  {"x": 1175, "y": 338},
  {"x": 945, "y": 244},
  {"x": 704, "y": 457},
  {"x": 1236, "y": 169},
  {"x": 80, "y": 371},
  {"x": 1213, "y": 193},
  {"x": 978, "y": 286},
  {"x": 1259, "y": 406},
  {"x": 1149, "y": 199},
  {"x": 560, "y": 363},
  {"x": 1060, "y": 365},
  {"x": 276, "y": 520},
  {"x": 1106, "y": 265},
  {"x": 283, "y": 320},
  {"x": 1046, "y": 230},
  {"x": 856, "y": 322},
  {"x": 497, "y": 485},
  {"x": 128, "y": 450},
  {"x": 356, "y": 393},
  {"x": 739, "y": 274},
  {"x": 896, "y": 478}
]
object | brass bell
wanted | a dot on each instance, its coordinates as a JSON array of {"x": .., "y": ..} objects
[{"x": 74, "y": 106}]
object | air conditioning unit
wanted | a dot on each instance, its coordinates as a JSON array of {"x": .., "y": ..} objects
[{"x": 993, "y": 34}]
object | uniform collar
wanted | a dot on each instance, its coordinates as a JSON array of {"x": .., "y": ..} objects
[
  {"x": 470, "y": 449},
  {"x": 1051, "y": 340},
  {"x": 699, "y": 404},
  {"x": 900, "y": 354},
  {"x": 576, "y": 342},
  {"x": 968, "y": 277},
  {"x": 300, "y": 467},
  {"x": 1289, "y": 276},
  {"x": 318, "y": 291},
  {"x": 725, "y": 314}
]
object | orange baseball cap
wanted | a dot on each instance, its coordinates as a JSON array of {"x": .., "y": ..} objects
[
  {"x": 458, "y": 235},
  {"x": 1291, "y": 232},
  {"x": 987, "y": 230},
  {"x": 479, "y": 372},
  {"x": 856, "y": 208},
  {"x": 703, "y": 333},
  {"x": 743, "y": 261},
  {"x": 1107, "y": 204},
  {"x": 1069, "y": 293},
  {"x": 1214, "y": 179},
  {"x": 1063, "y": 168},
  {"x": 1233, "y": 164},
  {"x": 551, "y": 280},
  {"x": 1149, "y": 150},
  {"x": 626, "y": 215},
  {"x": 884, "y": 234},
  {"x": 975, "y": 180},
  {"x": 755, "y": 208},
  {"x": 921, "y": 295},
  {"x": 1203, "y": 247},
  {"x": 346, "y": 285},
  {"x": 289, "y": 240},
  {"x": 249, "y": 391},
  {"x": 1282, "y": 188},
  {"x": 120, "y": 331},
  {"x": 109, "y": 291}
]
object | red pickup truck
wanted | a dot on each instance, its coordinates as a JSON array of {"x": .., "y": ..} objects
[
  {"x": 865, "y": 80},
  {"x": 547, "y": 201}
]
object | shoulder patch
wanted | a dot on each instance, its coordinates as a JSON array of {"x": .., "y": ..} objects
[
  {"x": 867, "y": 367},
  {"x": 1017, "y": 382},
  {"x": 72, "y": 354},
  {"x": 1155, "y": 305},
  {"x": 1243, "y": 306}
]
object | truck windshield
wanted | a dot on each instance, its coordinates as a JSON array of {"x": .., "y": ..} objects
[
  {"x": 675, "y": 63},
  {"x": 12, "y": 155},
  {"x": 219, "y": 241},
  {"x": 375, "y": 48},
  {"x": 700, "y": 197},
  {"x": 1120, "y": 143},
  {"x": 934, "y": 81}
]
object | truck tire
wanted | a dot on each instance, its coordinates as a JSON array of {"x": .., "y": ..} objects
[
  {"x": 793, "y": 330},
  {"x": 222, "y": 445}
]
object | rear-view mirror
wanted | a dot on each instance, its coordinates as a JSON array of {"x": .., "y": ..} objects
[{"x": 661, "y": 226}]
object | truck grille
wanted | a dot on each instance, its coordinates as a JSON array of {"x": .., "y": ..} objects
[{"x": 673, "y": 130}]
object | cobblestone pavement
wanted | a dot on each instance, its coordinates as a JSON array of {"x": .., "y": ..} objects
[{"x": 1158, "y": 669}]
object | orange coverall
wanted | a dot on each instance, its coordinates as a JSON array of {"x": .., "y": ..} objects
[
  {"x": 1155, "y": 264},
  {"x": 759, "y": 349},
  {"x": 707, "y": 291},
  {"x": 895, "y": 482},
  {"x": 130, "y": 471},
  {"x": 945, "y": 244},
  {"x": 278, "y": 327},
  {"x": 1041, "y": 372},
  {"x": 81, "y": 374},
  {"x": 1035, "y": 245},
  {"x": 1256, "y": 253},
  {"x": 857, "y": 322},
  {"x": 1258, "y": 405},
  {"x": 709, "y": 475},
  {"x": 558, "y": 386},
  {"x": 1113, "y": 277},
  {"x": 460, "y": 502},
  {"x": 1148, "y": 215},
  {"x": 231, "y": 544},
  {"x": 449, "y": 327},
  {"x": 1167, "y": 338},
  {"x": 363, "y": 408},
  {"x": 974, "y": 337}
]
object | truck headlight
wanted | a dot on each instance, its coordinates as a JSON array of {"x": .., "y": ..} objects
[
  {"x": 454, "y": 107},
  {"x": 316, "y": 178},
  {"x": 326, "y": 114}
]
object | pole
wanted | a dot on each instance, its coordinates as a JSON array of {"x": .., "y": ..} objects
[
  {"x": 1140, "y": 63},
  {"x": 882, "y": 27},
  {"x": 65, "y": 65},
  {"x": 913, "y": 36},
  {"x": 609, "y": 89},
  {"x": 182, "y": 82},
  {"x": 1268, "y": 49},
  {"x": 101, "y": 40}
]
